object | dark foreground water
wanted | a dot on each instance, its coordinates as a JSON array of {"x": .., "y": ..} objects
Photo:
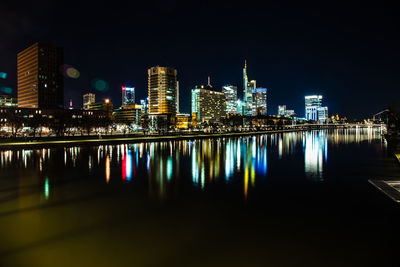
[{"x": 292, "y": 199}]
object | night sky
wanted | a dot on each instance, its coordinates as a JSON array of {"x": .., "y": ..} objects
[{"x": 349, "y": 54}]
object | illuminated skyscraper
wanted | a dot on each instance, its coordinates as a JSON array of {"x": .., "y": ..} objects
[
  {"x": 259, "y": 102},
  {"x": 162, "y": 86},
  {"x": 128, "y": 95},
  {"x": 248, "y": 87},
  {"x": 323, "y": 114},
  {"x": 40, "y": 81},
  {"x": 231, "y": 98},
  {"x": 207, "y": 104},
  {"x": 88, "y": 99},
  {"x": 312, "y": 103}
]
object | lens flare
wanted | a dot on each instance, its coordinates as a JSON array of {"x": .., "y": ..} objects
[
  {"x": 6, "y": 90},
  {"x": 3, "y": 75},
  {"x": 70, "y": 72},
  {"x": 100, "y": 85},
  {"x": 73, "y": 73}
]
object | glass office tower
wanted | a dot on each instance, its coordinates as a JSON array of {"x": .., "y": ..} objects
[
  {"x": 231, "y": 98},
  {"x": 259, "y": 103}
]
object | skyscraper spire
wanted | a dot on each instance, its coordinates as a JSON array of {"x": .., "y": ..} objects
[
  {"x": 245, "y": 64},
  {"x": 209, "y": 81}
]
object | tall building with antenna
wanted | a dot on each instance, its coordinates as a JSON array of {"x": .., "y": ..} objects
[{"x": 248, "y": 87}]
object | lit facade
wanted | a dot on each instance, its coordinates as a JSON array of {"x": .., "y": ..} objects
[
  {"x": 312, "y": 103},
  {"x": 128, "y": 95},
  {"x": 145, "y": 105},
  {"x": 105, "y": 106},
  {"x": 241, "y": 107},
  {"x": 183, "y": 121},
  {"x": 162, "y": 89},
  {"x": 323, "y": 114},
  {"x": 7, "y": 101},
  {"x": 128, "y": 114},
  {"x": 177, "y": 96},
  {"x": 40, "y": 81},
  {"x": 281, "y": 110},
  {"x": 231, "y": 98},
  {"x": 290, "y": 113},
  {"x": 207, "y": 104},
  {"x": 88, "y": 99},
  {"x": 259, "y": 102},
  {"x": 248, "y": 87}
]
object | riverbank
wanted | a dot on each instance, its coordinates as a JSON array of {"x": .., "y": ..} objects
[
  {"x": 119, "y": 139},
  {"x": 44, "y": 142}
]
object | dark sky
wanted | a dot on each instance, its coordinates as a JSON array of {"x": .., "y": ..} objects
[{"x": 348, "y": 53}]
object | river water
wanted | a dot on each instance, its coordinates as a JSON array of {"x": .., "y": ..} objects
[{"x": 285, "y": 199}]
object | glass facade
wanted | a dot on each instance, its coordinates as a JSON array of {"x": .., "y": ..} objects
[
  {"x": 145, "y": 105},
  {"x": 248, "y": 87},
  {"x": 312, "y": 103},
  {"x": 314, "y": 109},
  {"x": 128, "y": 95},
  {"x": 259, "y": 105},
  {"x": 231, "y": 98},
  {"x": 323, "y": 114}
]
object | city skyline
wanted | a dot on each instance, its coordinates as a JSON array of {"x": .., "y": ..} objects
[
  {"x": 251, "y": 105},
  {"x": 293, "y": 51}
]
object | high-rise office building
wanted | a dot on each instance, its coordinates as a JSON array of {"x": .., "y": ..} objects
[
  {"x": 323, "y": 114},
  {"x": 162, "y": 86},
  {"x": 40, "y": 81},
  {"x": 88, "y": 99},
  {"x": 248, "y": 87},
  {"x": 259, "y": 102},
  {"x": 128, "y": 95},
  {"x": 312, "y": 103},
  {"x": 231, "y": 98},
  {"x": 207, "y": 104}
]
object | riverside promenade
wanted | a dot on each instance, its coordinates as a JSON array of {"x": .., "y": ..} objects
[{"x": 40, "y": 142}]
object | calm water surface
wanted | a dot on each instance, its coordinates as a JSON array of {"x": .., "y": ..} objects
[
  {"x": 224, "y": 201},
  {"x": 167, "y": 168}
]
